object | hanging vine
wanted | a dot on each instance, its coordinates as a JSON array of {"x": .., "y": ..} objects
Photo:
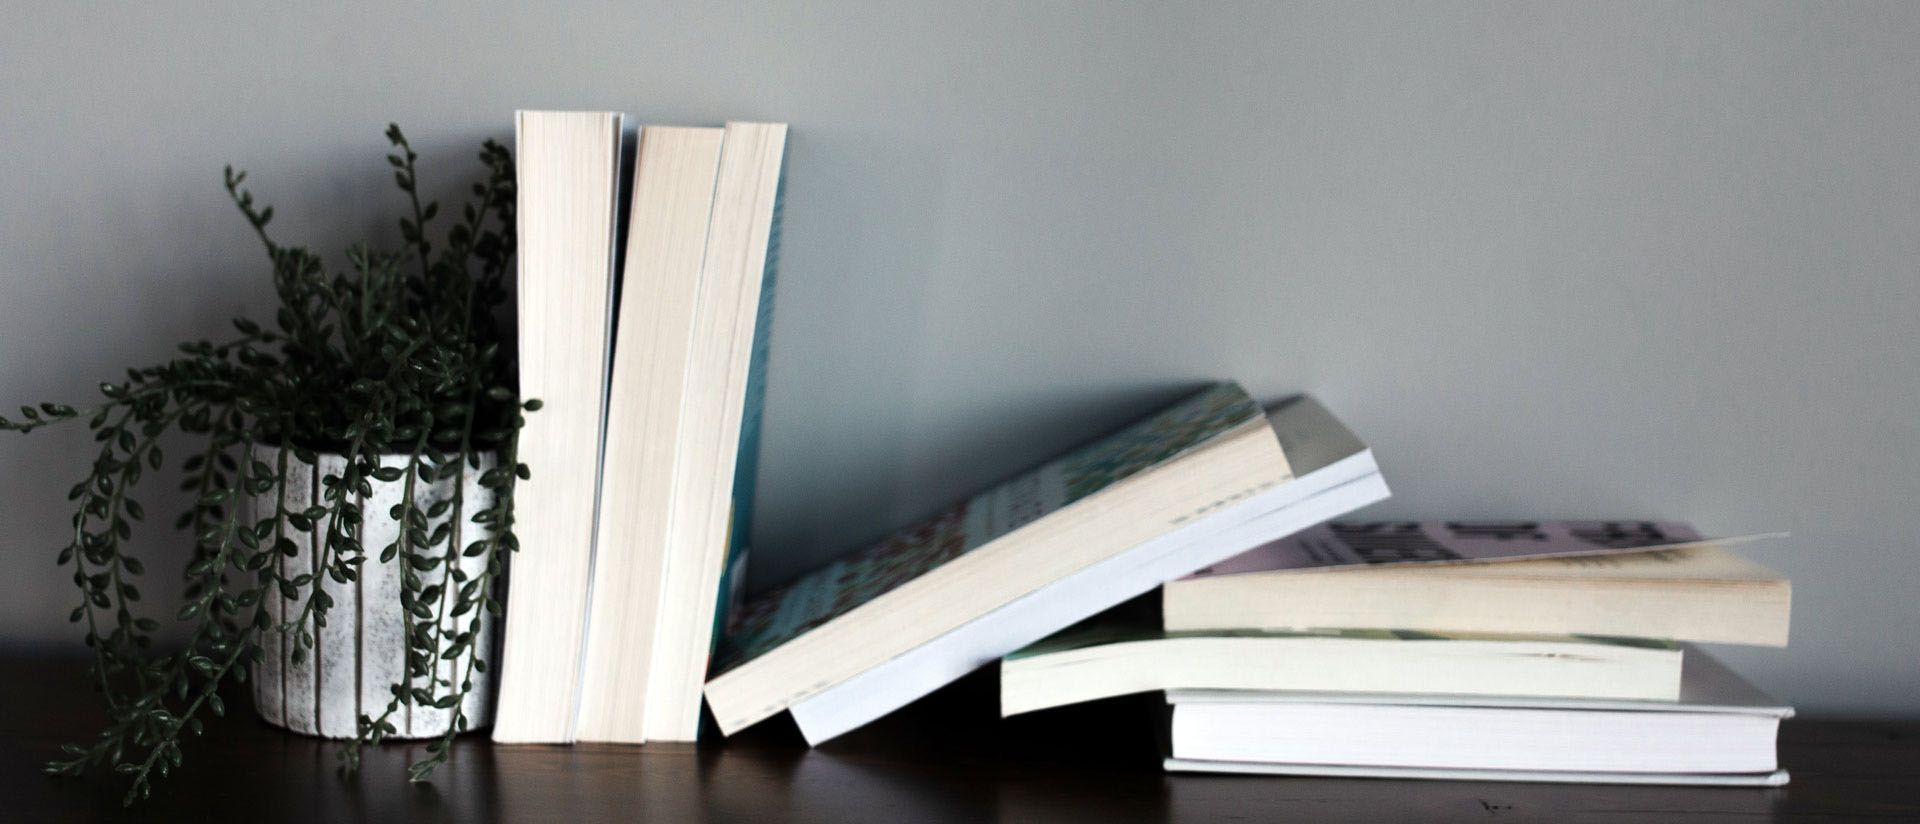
[{"x": 403, "y": 354}]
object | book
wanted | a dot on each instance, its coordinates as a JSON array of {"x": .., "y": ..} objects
[
  {"x": 1599, "y": 584},
  {"x": 715, "y": 474},
  {"x": 1191, "y": 485},
  {"x": 1101, "y": 660},
  {"x": 1777, "y": 778},
  {"x": 1720, "y": 730},
  {"x": 688, "y": 383},
  {"x": 1334, "y": 473},
  {"x": 673, "y": 192},
  {"x": 569, "y": 174}
]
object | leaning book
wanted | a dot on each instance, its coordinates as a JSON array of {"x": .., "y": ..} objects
[
  {"x": 1200, "y": 481},
  {"x": 689, "y": 383}
]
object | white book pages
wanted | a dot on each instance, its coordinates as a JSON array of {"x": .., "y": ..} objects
[
  {"x": 745, "y": 201},
  {"x": 1346, "y": 485},
  {"x": 674, "y": 172},
  {"x": 569, "y": 175},
  {"x": 1705, "y": 685}
]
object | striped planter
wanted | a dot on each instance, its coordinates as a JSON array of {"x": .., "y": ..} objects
[{"x": 361, "y": 652}]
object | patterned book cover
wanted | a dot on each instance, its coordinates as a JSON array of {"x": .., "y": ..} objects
[
  {"x": 775, "y": 617},
  {"x": 1449, "y": 542},
  {"x": 746, "y": 472}
]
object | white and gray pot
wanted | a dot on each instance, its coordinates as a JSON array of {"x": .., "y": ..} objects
[{"x": 361, "y": 652}]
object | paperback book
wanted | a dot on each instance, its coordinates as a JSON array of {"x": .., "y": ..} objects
[
  {"x": 1102, "y": 660},
  {"x": 1639, "y": 579},
  {"x": 645, "y": 450},
  {"x": 1186, "y": 487}
]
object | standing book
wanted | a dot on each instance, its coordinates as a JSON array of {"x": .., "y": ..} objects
[
  {"x": 714, "y": 476},
  {"x": 673, "y": 191},
  {"x": 569, "y": 166}
]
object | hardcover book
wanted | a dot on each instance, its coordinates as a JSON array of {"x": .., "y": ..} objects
[{"x": 1722, "y": 730}]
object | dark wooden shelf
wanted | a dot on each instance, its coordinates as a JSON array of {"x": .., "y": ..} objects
[{"x": 946, "y": 758}]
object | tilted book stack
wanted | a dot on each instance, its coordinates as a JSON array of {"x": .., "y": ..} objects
[
  {"x": 1517, "y": 651},
  {"x": 1384, "y": 649},
  {"x": 641, "y": 494},
  {"x": 1189, "y": 486}
]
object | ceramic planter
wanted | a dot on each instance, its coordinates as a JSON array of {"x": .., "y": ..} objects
[{"x": 360, "y": 653}]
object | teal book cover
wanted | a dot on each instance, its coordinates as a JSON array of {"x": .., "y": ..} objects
[{"x": 746, "y": 471}]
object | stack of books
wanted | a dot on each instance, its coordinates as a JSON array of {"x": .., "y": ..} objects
[
  {"x": 646, "y": 271},
  {"x": 1510, "y": 651},
  {"x": 646, "y": 276}
]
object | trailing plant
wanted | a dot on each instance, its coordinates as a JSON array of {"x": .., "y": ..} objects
[{"x": 400, "y": 354}]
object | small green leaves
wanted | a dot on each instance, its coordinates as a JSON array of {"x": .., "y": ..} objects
[{"x": 401, "y": 353}]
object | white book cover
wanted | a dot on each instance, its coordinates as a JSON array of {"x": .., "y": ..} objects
[{"x": 1722, "y": 726}]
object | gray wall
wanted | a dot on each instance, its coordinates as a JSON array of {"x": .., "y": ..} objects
[{"x": 1581, "y": 260}]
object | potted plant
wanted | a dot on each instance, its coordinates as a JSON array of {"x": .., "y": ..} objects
[{"x": 361, "y": 445}]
